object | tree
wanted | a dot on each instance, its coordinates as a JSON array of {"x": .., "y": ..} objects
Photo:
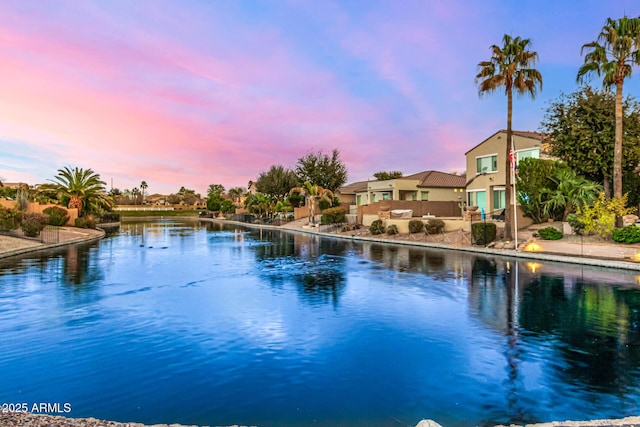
[
  {"x": 135, "y": 193},
  {"x": 385, "y": 176},
  {"x": 581, "y": 132},
  {"x": 143, "y": 186},
  {"x": 532, "y": 179},
  {"x": 277, "y": 182},
  {"x": 613, "y": 54},
  {"x": 510, "y": 66},
  {"x": 322, "y": 170},
  {"x": 188, "y": 196},
  {"x": 236, "y": 193},
  {"x": 258, "y": 203},
  {"x": 82, "y": 187},
  {"x": 314, "y": 194},
  {"x": 214, "y": 197}
]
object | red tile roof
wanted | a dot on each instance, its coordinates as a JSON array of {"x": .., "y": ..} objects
[{"x": 438, "y": 179}]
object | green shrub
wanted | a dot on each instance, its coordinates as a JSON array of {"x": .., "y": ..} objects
[
  {"x": 333, "y": 216},
  {"x": 576, "y": 223},
  {"x": 415, "y": 226},
  {"x": 628, "y": 234},
  {"x": 85, "y": 222},
  {"x": 9, "y": 219},
  {"x": 601, "y": 217},
  {"x": 550, "y": 233},
  {"x": 483, "y": 232},
  {"x": 392, "y": 230},
  {"x": 57, "y": 216},
  {"x": 376, "y": 227},
  {"x": 434, "y": 226},
  {"x": 33, "y": 223}
]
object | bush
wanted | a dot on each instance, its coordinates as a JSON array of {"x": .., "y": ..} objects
[
  {"x": 9, "y": 219},
  {"x": 57, "y": 216},
  {"x": 376, "y": 227},
  {"x": 550, "y": 233},
  {"x": 33, "y": 223},
  {"x": 628, "y": 234},
  {"x": 434, "y": 226},
  {"x": 333, "y": 216},
  {"x": 576, "y": 223},
  {"x": 415, "y": 226},
  {"x": 601, "y": 217},
  {"x": 483, "y": 232},
  {"x": 85, "y": 222},
  {"x": 392, "y": 230}
]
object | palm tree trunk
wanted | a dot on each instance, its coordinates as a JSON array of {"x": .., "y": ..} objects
[
  {"x": 507, "y": 170},
  {"x": 75, "y": 202},
  {"x": 617, "y": 149}
]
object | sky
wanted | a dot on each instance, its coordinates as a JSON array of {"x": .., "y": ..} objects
[{"x": 197, "y": 92}]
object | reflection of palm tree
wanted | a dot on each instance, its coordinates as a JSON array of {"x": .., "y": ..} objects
[{"x": 313, "y": 193}]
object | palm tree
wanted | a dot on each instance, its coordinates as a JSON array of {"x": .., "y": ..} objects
[
  {"x": 236, "y": 193},
  {"x": 510, "y": 66},
  {"x": 134, "y": 193},
  {"x": 143, "y": 186},
  {"x": 571, "y": 191},
  {"x": 313, "y": 193},
  {"x": 83, "y": 187},
  {"x": 613, "y": 55}
]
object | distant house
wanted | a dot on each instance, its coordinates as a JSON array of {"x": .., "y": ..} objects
[
  {"x": 422, "y": 186},
  {"x": 486, "y": 166}
]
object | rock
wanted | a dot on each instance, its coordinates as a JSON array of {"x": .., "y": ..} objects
[
  {"x": 629, "y": 220},
  {"x": 499, "y": 245},
  {"x": 428, "y": 423},
  {"x": 509, "y": 245},
  {"x": 492, "y": 244}
]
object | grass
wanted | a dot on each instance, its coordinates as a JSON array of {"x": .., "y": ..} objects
[{"x": 137, "y": 214}]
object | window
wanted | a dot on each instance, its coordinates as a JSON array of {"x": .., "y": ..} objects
[
  {"x": 414, "y": 196},
  {"x": 498, "y": 198},
  {"x": 477, "y": 198},
  {"x": 359, "y": 199},
  {"x": 385, "y": 196},
  {"x": 424, "y": 196},
  {"x": 529, "y": 153},
  {"x": 487, "y": 164},
  {"x": 373, "y": 197}
]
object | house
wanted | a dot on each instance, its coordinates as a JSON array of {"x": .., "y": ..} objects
[
  {"x": 422, "y": 186},
  {"x": 486, "y": 167}
]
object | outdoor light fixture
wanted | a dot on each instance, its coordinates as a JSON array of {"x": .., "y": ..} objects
[{"x": 534, "y": 247}]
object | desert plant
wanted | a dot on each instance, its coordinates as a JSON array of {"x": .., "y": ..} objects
[
  {"x": 576, "y": 223},
  {"x": 628, "y": 234},
  {"x": 415, "y": 226},
  {"x": 483, "y": 232},
  {"x": 434, "y": 226},
  {"x": 376, "y": 227},
  {"x": 550, "y": 233},
  {"x": 392, "y": 230},
  {"x": 9, "y": 219},
  {"x": 87, "y": 221},
  {"x": 333, "y": 216},
  {"x": 33, "y": 223},
  {"x": 57, "y": 216},
  {"x": 601, "y": 217}
]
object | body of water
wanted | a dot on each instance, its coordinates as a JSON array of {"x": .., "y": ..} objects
[{"x": 197, "y": 323}]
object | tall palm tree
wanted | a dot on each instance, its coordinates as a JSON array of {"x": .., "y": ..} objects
[
  {"x": 511, "y": 66},
  {"x": 313, "y": 193},
  {"x": 236, "y": 193},
  {"x": 613, "y": 55},
  {"x": 143, "y": 186},
  {"x": 83, "y": 188}
]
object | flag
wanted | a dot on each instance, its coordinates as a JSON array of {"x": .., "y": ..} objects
[{"x": 513, "y": 158}]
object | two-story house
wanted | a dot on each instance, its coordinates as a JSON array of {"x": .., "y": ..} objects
[{"x": 486, "y": 167}]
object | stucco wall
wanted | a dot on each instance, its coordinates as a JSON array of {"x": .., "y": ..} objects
[{"x": 36, "y": 207}]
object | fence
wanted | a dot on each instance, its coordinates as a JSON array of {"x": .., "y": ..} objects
[{"x": 49, "y": 235}]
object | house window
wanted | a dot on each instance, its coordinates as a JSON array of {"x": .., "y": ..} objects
[
  {"x": 359, "y": 199},
  {"x": 385, "y": 196},
  {"x": 373, "y": 197},
  {"x": 487, "y": 164},
  {"x": 424, "y": 196},
  {"x": 414, "y": 196},
  {"x": 533, "y": 153},
  {"x": 477, "y": 198},
  {"x": 498, "y": 198}
]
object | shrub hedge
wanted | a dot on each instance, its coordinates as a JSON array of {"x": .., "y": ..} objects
[
  {"x": 376, "y": 227},
  {"x": 483, "y": 233},
  {"x": 57, "y": 215},
  {"x": 415, "y": 226},
  {"x": 85, "y": 222},
  {"x": 333, "y": 216},
  {"x": 392, "y": 229},
  {"x": 33, "y": 223},
  {"x": 434, "y": 226},
  {"x": 628, "y": 234},
  {"x": 550, "y": 233}
]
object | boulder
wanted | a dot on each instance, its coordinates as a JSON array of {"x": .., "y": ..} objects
[{"x": 629, "y": 220}]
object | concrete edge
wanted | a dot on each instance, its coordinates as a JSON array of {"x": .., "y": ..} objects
[
  {"x": 45, "y": 247},
  {"x": 533, "y": 256}
]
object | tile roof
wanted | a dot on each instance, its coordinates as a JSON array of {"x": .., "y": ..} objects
[
  {"x": 522, "y": 133},
  {"x": 353, "y": 187},
  {"x": 438, "y": 179}
]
